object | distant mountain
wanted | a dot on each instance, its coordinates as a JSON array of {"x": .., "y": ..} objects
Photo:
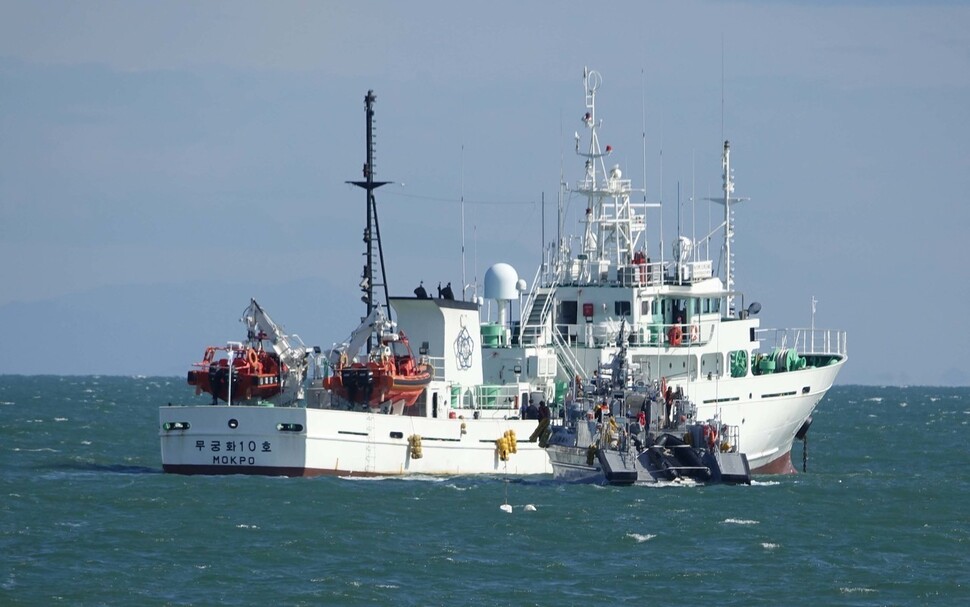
[{"x": 161, "y": 329}]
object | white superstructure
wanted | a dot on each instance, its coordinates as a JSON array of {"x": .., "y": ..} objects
[{"x": 680, "y": 317}]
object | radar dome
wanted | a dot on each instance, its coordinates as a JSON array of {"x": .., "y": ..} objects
[{"x": 500, "y": 282}]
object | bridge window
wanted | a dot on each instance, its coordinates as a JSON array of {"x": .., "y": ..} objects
[{"x": 621, "y": 308}]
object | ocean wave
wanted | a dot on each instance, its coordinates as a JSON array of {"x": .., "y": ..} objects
[{"x": 411, "y": 477}]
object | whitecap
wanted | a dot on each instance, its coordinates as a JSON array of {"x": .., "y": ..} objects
[
  {"x": 60, "y": 419},
  {"x": 769, "y": 545},
  {"x": 245, "y": 526},
  {"x": 640, "y": 538},
  {"x": 904, "y": 404},
  {"x": 764, "y": 483},
  {"x": 414, "y": 477},
  {"x": 874, "y": 399},
  {"x": 740, "y": 521},
  {"x": 853, "y": 590}
]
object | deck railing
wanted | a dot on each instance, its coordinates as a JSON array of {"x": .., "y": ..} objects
[{"x": 804, "y": 341}]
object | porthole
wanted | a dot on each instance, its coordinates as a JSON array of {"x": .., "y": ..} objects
[{"x": 233, "y": 423}]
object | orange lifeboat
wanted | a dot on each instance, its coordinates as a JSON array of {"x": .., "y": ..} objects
[
  {"x": 244, "y": 373},
  {"x": 390, "y": 374}
]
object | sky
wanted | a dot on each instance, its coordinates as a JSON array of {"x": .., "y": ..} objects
[{"x": 160, "y": 163}]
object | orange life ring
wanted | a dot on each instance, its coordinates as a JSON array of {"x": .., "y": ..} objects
[
  {"x": 675, "y": 335},
  {"x": 694, "y": 331},
  {"x": 252, "y": 358}
]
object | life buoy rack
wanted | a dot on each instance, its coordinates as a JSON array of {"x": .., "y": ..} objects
[
  {"x": 694, "y": 333},
  {"x": 675, "y": 335}
]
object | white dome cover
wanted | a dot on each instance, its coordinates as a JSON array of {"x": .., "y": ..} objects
[{"x": 500, "y": 282}]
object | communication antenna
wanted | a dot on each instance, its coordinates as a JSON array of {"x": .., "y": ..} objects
[
  {"x": 461, "y": 180},
  {"x": 814, "y": 303}
]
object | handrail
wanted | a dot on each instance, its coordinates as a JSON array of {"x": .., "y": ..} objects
[
  {"x": 565, "y": 353},
  {"x": 529, "y": 301},
  {"x": 805, "y": 341}
]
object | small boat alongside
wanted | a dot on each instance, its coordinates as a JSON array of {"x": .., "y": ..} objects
[{"x": 623, "y": 435}]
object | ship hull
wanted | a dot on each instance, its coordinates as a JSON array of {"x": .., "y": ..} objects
[{"x": 291, "y": 441}]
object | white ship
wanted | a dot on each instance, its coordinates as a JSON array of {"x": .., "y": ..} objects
[
  {"x": 458, "y": 425},
  {"x": 272, "y": 413},
  {"x": 685, "y": 330}
]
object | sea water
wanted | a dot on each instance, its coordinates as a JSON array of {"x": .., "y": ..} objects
[{"x": 882, "y": 517}]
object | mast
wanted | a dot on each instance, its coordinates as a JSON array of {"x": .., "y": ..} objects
[
  {"x": 613, "y": 224},
  {"x": 727, "y": 200},
  {"x": 728, "y": 227},
  {"x": 372, "y": 231}
]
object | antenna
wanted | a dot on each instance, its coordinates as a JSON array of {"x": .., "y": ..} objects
[
  {"x": 461, "y": 186},
  {"x": 542, "y": 248},
  {"x": 814, "y": 303},
  {"x": 722, "y": 86},
  {"x": 372, "y": 233},
  {"x": 643, "y": 133},
  {"x": 461, "y": 200},
  {"x": 693, "y": 204},
  {"x": 727, "y": 200}
]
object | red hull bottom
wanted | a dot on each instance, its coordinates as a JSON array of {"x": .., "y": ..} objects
[
  {"x": 781, "y": 465},
  {"x": 214, "y": 470}
]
